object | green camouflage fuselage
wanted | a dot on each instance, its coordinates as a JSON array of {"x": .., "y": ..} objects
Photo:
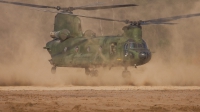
[{"x": 81, "y": 50}]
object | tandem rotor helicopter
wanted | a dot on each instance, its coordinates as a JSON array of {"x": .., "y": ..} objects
[{"x": 71, "y": 47}]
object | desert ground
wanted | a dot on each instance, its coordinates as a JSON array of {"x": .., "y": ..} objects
[{"x": 100, "y": 99}]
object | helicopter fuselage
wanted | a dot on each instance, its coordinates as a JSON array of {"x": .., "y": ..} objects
[{"x": 84, "y": 52}]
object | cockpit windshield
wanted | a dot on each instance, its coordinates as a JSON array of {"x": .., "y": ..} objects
[
  {"x": 144, "y": 45},
  {"x": 133, "y": 45}
]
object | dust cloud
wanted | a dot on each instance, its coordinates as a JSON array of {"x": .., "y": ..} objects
[{"x": 24, "y": 33}]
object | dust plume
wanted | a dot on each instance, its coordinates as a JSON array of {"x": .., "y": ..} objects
[{"x": 24, "y": 33}]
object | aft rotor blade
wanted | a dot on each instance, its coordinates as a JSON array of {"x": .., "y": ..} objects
[
  {"x": 102, "y": 7},
  {"x": 27, "y": 5},
  {"x": 99, "y": 18},
  {"x": 168, "y": 19},
  {"x": 93, "y": 4}
]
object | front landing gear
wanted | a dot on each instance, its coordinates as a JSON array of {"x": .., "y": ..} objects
[
  {"x": 53, "y": 70},
  {"x": 126, "y": 73},
  {"x": 93, "y": 72},
  {"x": 127, "y": 77}
]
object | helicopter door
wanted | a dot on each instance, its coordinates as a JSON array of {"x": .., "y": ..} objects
[{"x": 113, "y": 50}]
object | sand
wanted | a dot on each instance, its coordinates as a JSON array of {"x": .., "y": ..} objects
[{"x": 100, "y": 99}]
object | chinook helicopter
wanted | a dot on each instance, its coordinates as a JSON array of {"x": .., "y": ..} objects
[{"x": 70, "y": 47}]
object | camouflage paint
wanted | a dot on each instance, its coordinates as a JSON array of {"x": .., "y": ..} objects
[
  {"x": 79, "y": 51},
  {"x": 72, "y": 23}
]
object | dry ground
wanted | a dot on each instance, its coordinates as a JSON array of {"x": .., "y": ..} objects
[{"x": 99, "y": 99}]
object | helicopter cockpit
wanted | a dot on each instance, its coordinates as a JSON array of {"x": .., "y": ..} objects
[
  {"x": 137, "y": 50},
  {"x": 134, "y": 45}
]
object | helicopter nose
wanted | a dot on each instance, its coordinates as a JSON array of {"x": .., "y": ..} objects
[{"x": 143, "y": 55}]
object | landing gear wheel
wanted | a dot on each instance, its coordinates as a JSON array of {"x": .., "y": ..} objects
[
  {"x": 53, "y": 70},
  {"x": 126, "y": 74}
]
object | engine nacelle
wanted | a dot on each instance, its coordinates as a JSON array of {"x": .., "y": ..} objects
[{"x": 62, "y": 35}]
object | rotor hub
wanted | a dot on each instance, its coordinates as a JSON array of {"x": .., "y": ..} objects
[{"x": 58, "y": 7}]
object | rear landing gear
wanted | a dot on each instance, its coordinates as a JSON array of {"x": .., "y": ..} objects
[
  {"x": 126, "y": 73},
  {"x": 93, "y": 73},
  {"x": 53, "y": 70}
]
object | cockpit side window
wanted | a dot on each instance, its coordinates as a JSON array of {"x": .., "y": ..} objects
[
  {"x": 126, "y": 47},
  {"x": 144, "y": 45}
]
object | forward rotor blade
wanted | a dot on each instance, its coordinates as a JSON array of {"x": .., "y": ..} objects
[
  {"x": 147, "y": 22},
  {"x": 99, "y": 18},
  {"x": 168, "y": 19},
  {"x": 101, "y": 7},
  {"x": 67, "y": 9},
  {"x": 27, "y": 5}
]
